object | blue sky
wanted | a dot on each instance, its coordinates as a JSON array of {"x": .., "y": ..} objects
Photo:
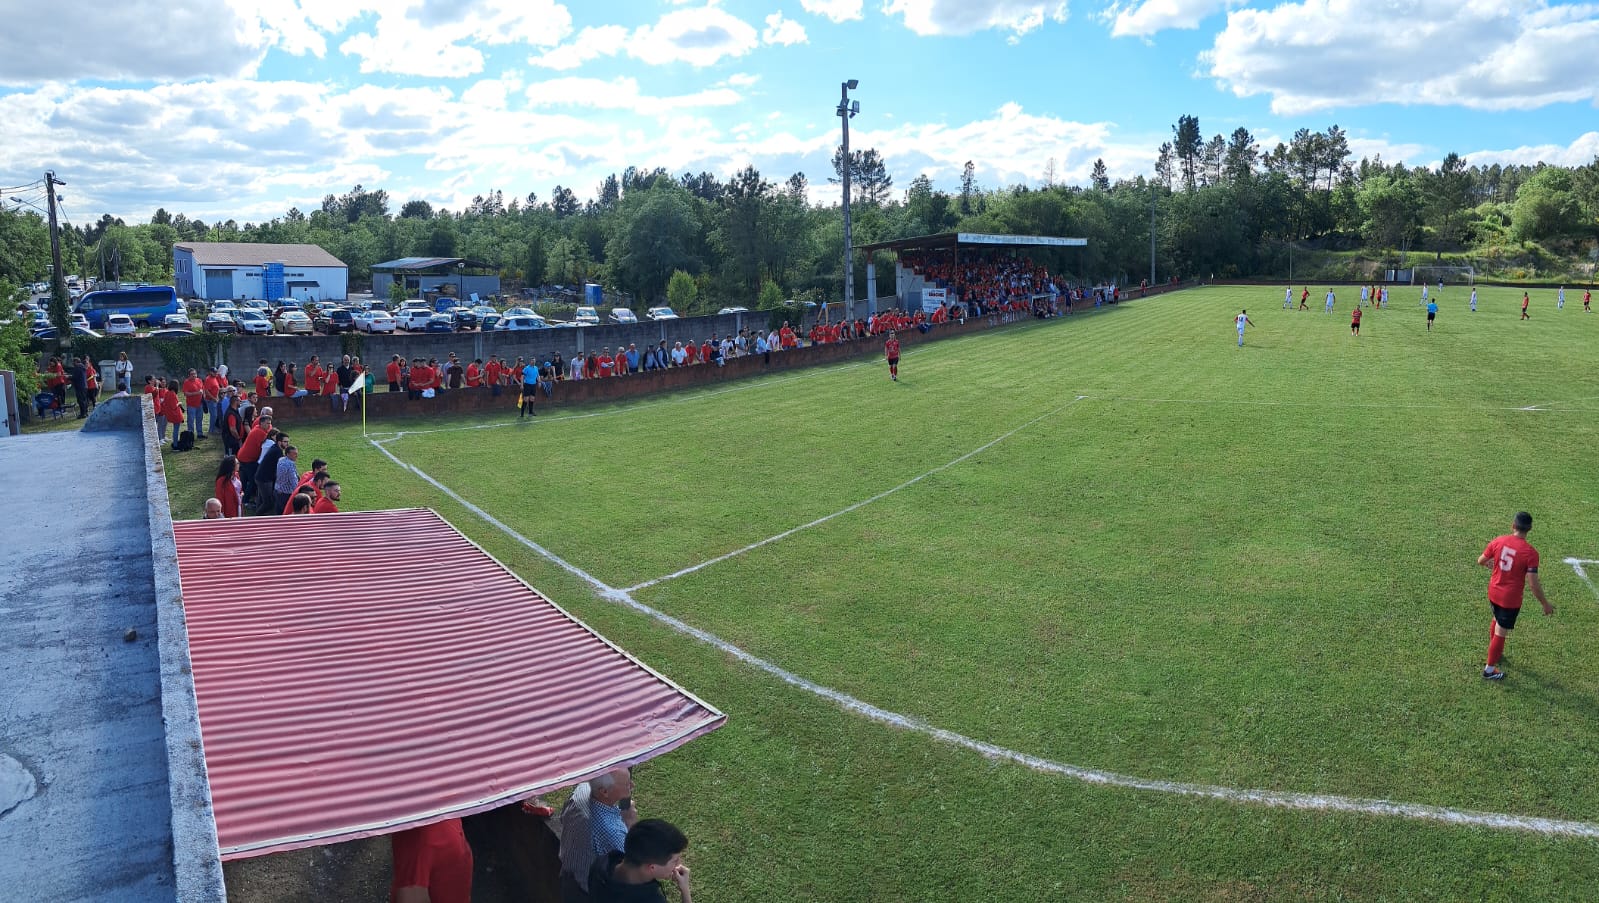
[{"x": 245, "y": 108}]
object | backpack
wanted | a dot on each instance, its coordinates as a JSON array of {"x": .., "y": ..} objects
[{"x": 185, "y": 441}]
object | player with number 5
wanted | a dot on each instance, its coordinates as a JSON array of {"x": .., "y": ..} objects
[{"x": 1514, "y": 563}]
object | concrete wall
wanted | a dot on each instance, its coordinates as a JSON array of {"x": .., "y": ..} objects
[{"x": 245, "y": 351}]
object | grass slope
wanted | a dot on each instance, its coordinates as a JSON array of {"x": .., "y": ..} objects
[{"x": 1251, "y": 567}]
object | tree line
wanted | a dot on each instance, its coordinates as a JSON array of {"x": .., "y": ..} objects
[{"x": 1223, "y": 205}]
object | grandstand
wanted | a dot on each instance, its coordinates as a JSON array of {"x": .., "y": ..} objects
[{"x": 931, "y": 261}]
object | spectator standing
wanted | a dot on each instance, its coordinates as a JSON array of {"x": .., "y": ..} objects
[
  {"x": 393, "y": 371},
  {"x": 194, "y": 403},
  {"x": 330, "y": 493},
  {"x": 266, "y": 472},
  {"x": 229, "y": 488},
  {"x": 170, "y": 409},
  {"x": 454, "y": 372},
  {"x": 212, "y": 402},
  {"x": 79, "y": 378},
  {"x": 432, "y": 864},
  {"x": 653, "y": 852},
  {"x": 288, "y": 478},
  {"x": 124, "y": 372},
  {"x": 91, "y": 380},
  {"x": 346, "y": 373},
  {"x": 492, "y": 373}
]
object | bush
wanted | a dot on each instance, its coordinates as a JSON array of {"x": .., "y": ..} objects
[{"x": 771, "y": 296}]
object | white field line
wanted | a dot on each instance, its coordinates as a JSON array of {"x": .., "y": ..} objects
[
  {"x": 1577, "y": 565},
  {"x": 1373, "y": 405},
  {"x": 1272, "y": 798},
  {"x": 860, "y": 504}
]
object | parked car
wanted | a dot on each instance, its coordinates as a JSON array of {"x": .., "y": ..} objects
[
  {"x": 119, "y": 324},
  {"x": 440, "y": 323},
  {"x": 484, "y": 310},
  {"x": 252, "y": 322},
  {"x": 521, "y": 323},
  {"x": 80, "y": 320},
  {"x": 487, "y": 322},
  {"x": 733, "y": 310},
  {"x": 169, "y": 334},
  {"x": 219, "y": 323},
  {"x": 41, "y": 319},
  {"x": 414, "y": 319},
  {"x": 49, "y": 332},
  {"x": 223, "y": 307},
  {"x": 661, "y": 313},
  {"x": 292, "y": 322},
  {"x": 333, "y": 321},
  {"x": 176, "y": 321},
  {"x": 374, "y": 321},
  {"x": 588, "y": 316},
  {"x": 462, "y": 318},
  {"x": 255, "y": 304},
  {"x": 621, "y": 316}
]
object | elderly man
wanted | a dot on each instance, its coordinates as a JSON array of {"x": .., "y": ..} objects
[{"x": 594, "y": 822}]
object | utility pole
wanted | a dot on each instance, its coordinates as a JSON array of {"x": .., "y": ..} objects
[
  {"x": 1151, "y": 234},
  {"x": 60, "y": 316},
  {"x": 846, "y": 112}
]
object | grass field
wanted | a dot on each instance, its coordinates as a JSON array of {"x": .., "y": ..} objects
[{"x": 1181, "y": 561}]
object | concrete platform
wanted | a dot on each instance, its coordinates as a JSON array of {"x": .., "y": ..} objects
[{"x": 85, "y": 810}]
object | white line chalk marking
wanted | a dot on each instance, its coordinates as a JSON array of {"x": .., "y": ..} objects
[
  {"x": 1577, "y": 565},
  {"x": 1272, "y": 798},
  {"x": 860, "y": 504}
]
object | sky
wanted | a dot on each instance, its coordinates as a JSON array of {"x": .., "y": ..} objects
[{"x": 245, "y": 108}]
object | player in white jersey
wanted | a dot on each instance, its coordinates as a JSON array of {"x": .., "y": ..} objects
[
  {"x": 1330, "y": 300},
  {"x": 1561, "y": 304},
  {"x": 1424, "y": 295},
  {"x": 1385, "y": 296},
  {"x": 1242, "y": 320},
  {"x": 1473, "y": 300},
  {"x": 1363, "y": 296},
  {"x": 1288, "y": 297}
]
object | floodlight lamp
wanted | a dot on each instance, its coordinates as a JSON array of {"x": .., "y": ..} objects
[
  {"x": 854, "y": 107},
  {"x": 852, "y": 84}
]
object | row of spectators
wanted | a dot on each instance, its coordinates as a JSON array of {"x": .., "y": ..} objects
[{"x": 987, "y": 281}]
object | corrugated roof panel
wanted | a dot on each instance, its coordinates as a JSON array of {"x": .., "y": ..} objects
[
  {"x": 253, "y": 254},
  {"x": 366, "y": 672}
]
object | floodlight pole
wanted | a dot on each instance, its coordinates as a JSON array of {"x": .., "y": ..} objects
[{"x": 845, "y": 114}]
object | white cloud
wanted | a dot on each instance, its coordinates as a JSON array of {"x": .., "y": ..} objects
[
  {"x": 1580, "y": 152},
  {"x": 132, "y": 41},
  {"x": 782, "y": 31},
  {"x": 742, "y": 79},
  {"x": 1142, "y": 18},
  {"x": 590, "y": 43},
  {"x": 621, "y": 94},
  {"x": 836, "y": 10},
  {"x": 1483, "y": 54},
  {"x": 959, "y": 17},
  {"x": 699, "y": 37},
  {"x": 439, "y": 37}
]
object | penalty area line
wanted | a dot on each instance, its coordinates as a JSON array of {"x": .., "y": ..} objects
[
  {"x": 858, "y": 505},
  {"x": 1271, "y": 798},
  {"x": 1577, "y": 565}
]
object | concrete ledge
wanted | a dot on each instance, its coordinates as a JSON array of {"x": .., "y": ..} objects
[
  {"x": 196, "y": 862},
  {"x": 117, "y": 414}
]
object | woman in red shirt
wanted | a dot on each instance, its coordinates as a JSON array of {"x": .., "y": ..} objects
[
  {"x": 169, "y": 407},
  {"x": 229, "y": 489}
]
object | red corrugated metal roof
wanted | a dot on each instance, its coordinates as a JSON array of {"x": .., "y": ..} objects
[{"x": 366, "y": 672}]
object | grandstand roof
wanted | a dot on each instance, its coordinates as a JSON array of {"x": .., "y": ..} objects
[
  {"x": 390, "y": 685},
  {"x": 945, "y": 241}
]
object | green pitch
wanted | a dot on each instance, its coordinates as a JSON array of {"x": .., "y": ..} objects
[{"x": 1185, "y": 561}]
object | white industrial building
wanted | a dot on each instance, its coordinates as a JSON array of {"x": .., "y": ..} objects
[{"x": 215, "y": 271}]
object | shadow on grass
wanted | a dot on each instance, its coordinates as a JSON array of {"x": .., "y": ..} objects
[{"x": 1557, "y": 693}]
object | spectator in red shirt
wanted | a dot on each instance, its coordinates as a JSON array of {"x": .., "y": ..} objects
[
  {"x": 229, "y": 488},
  {"x": 170, "y": 409},
  {"x": 194, "y": 403},
  {"x": 1514, "y": 565},
  {"x": 491, "y": 375},
  {"x": 213, "y": 399},
  {"x": 330, "y": 494},
  {"x": 263, "y": 380},
  {"x": 392, "y": 371},
  {"x": 432, "y": 864},
  {"x": 474, "y": 373},
  {"x": 313, "y": 376},
  {"x": 250, "y": 452}
]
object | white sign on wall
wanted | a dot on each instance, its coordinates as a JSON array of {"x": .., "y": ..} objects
[{"x": 932, "y": 298}]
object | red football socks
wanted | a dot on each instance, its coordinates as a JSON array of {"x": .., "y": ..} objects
[{"x": 1496, "y": 650}]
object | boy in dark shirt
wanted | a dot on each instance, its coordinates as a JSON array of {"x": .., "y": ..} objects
[{"x": 653, "y": 851}]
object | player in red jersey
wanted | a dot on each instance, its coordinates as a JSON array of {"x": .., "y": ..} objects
[
  {"x": 1524, "y": 302},
  {"x": 891, "y": 351},
  {"x": 1303, "y": 297},
  {"x": 1587, "y": 298},
  {"x": 1354, "y": 321},
  {"x": 1514, "y": 563}
]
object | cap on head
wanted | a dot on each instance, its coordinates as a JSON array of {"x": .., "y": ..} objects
[{"x": 1523, "y": 521}]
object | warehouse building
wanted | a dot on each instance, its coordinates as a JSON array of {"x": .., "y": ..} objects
[{"x": 215, "y": 271}]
